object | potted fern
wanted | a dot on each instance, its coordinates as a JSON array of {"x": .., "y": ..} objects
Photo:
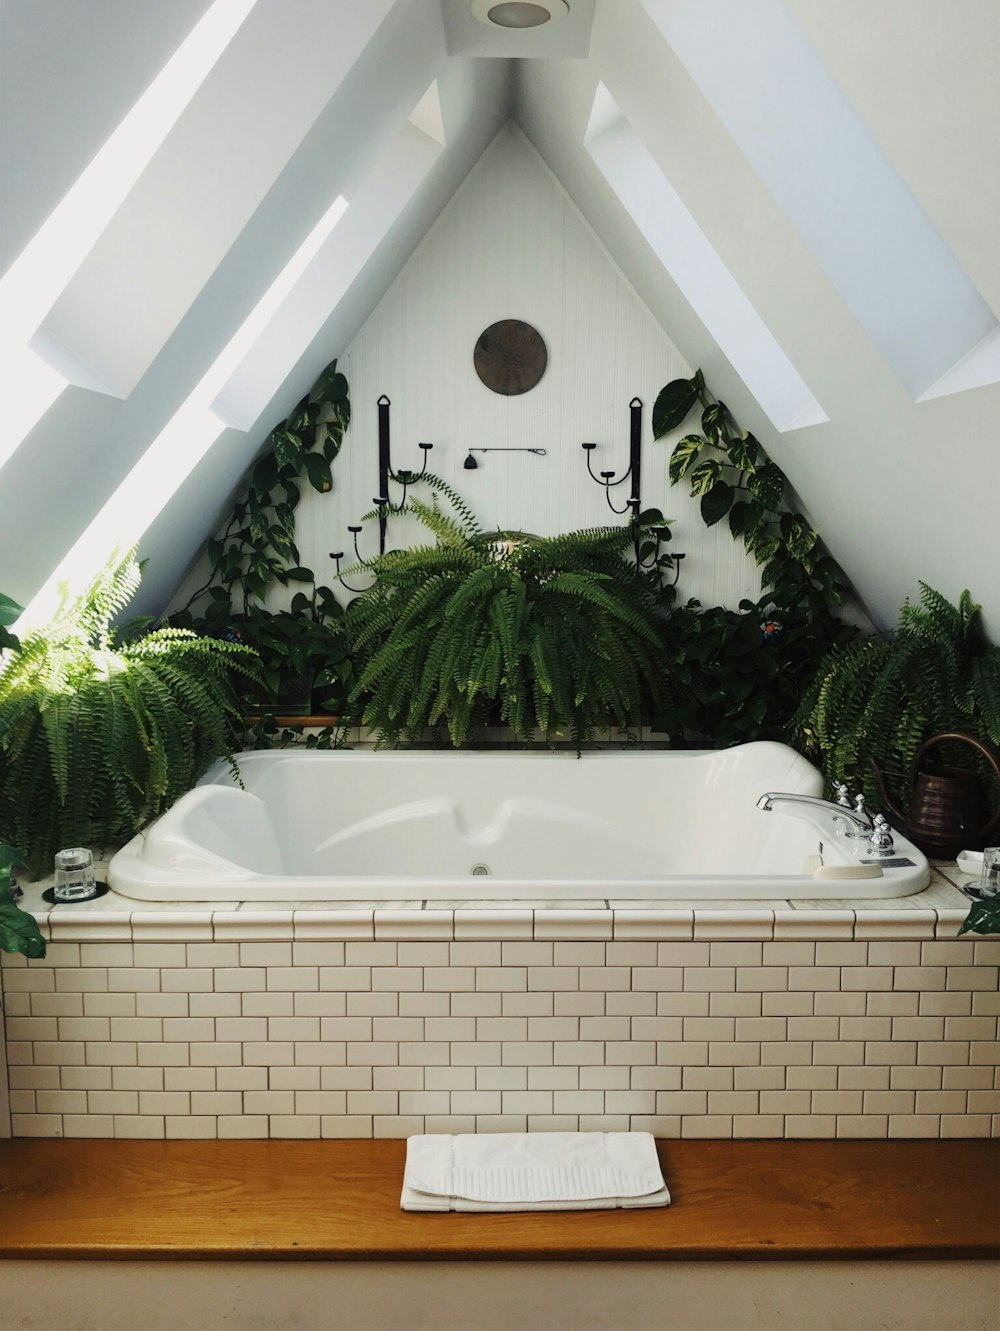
[
  {"x": 98, "y": 734},
  {"x": 547, "y": 636},
  {"x": 881, "y": 697}
]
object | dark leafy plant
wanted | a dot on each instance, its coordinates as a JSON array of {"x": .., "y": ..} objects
[
  {"x": 556, "y": 635},
  {"x": 256, "y": 550},
  {"x": 739, "y": 674},
  {"x": 882, "y": 696},
  {"x": 98, "y": 736},
  {"x": 9, "y": 612},
  {"x": 19, "y": 931},
  {"x": 743, "y": 672},
  {"x": 983, "y": 918}
]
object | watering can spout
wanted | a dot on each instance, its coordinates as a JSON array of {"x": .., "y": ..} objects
[{"x": 896, "y": 814}]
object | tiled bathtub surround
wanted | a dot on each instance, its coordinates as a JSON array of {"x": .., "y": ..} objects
[{"x": 366, "y": 1022}]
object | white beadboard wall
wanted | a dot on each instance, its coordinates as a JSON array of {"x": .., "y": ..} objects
[{"x": 510, "y": 244}]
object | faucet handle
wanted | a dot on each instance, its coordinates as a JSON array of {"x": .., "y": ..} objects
[
  {"x": 840, "y": 790},
  {"x": 859, "y": 807},
  {"x": 881, "y": 836}
]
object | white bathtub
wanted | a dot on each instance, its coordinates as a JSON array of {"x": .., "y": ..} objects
[{"x": 364, "y": 826}]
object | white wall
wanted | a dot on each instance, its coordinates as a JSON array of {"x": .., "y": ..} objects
[{"x": 510, "y": 244}]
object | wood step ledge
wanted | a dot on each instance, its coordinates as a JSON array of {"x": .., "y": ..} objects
[{"x": 339, "y": 1201}]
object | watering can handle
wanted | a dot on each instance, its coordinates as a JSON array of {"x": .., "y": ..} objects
[{"x": 988, "y": 752}]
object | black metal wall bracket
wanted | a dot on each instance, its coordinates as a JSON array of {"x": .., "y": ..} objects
[
  {"x": 608, "y": 480},
  {"x": 382, "y": 501}
]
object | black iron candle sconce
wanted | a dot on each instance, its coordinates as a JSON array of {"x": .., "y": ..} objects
[
  {"x": 470, "y": 463},
  {"x": 382, "y": 501},
  {"x": 608, "y": 479},
  {"x": 633, "y": 504}
]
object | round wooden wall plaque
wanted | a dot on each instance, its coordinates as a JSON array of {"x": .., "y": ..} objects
[{"x": 510, "y": 357}]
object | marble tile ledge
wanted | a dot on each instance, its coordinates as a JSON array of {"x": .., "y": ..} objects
[{"x": 937, "y": 912}]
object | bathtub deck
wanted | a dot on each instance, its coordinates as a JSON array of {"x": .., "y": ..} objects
[{"x": 339, "y": 1201}]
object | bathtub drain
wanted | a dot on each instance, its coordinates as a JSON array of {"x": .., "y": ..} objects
[{"x": 478, "y": 870}]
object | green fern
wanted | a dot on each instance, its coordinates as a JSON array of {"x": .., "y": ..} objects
[
  {"x": 881, "y": 697},
  {"x": 556, "y": 635},
  {"x": 96, "y": 737}
]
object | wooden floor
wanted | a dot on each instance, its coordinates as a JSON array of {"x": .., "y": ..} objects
[{"x": 339, "y": 1201}]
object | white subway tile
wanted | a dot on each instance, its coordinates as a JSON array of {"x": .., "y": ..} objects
[
  {"x": 346, "y": 1079},
  {"x": 733, "y": 1005},
  {"x": 570, "y": 1003},
  {"x": 504, "y": 1078},
  {"x": 76, "y": 1078},
  {"x": 805, "y": 1077},
  {"x": 450, "y": 1079},
  {"x": 914, "y": 1125},
  {"x": 598, "y": 1078},
  {"x": 244, "y": 1126},
  {"x": 476, "y": 953},
  {"x": 530, "y": 1003},
  {"x": 863, "y": 1125},
  {"x": 268, "y": 954},
  {"x": 140, "y": 1126},
  {"x": 447, "y": 979},
  {"x": 126, "y": 1078}
]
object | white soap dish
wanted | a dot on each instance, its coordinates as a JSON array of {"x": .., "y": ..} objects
[{"x": 970, "y": 862}]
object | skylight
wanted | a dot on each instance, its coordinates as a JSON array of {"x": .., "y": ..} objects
[
  {"x": 375, "y": 205},
  {"x": 768, "y": 86},
  {"x": 34, "y": 282},
  {"x": 691, "y": 260},
  {"x": 178, "y": 448}
]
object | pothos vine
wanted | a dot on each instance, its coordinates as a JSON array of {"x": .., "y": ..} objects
[{"x": 745, "y": 670}]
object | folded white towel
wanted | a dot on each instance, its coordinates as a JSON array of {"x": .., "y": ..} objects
[{"x": 532, "y": 1171}]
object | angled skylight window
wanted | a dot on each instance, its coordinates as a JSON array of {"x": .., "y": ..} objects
[
  {"x": 691, "y": 260},
  {"x": 209, "y": 179},
  {"x": 182, "y": 443},
  {"x": 375, "y": 204},
  {"x": 35, "y": 280},
  {"x": 768, "y": 86}
]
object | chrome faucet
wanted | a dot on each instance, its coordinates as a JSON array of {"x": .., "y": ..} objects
[
  {"x": 859, "y": 819},
  {"x": 875, "y": 831}
]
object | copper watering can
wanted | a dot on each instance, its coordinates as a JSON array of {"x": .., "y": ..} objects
[{"x": 947, "y": 811}]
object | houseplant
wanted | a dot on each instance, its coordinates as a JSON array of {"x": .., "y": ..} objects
[
  {"x": 541, "y": 635},
  {"x": 881, "y": 697},
  {"x": 742, "y": 672},
  {"x": 99, "y": 734},
  {"x": 18, "y": 930},
  {"x": 301, "y": 646}
]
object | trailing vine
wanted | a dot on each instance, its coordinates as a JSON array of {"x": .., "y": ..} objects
[
  {"x": 746, "y": 670},
  {"x": 256, "y": 549}
]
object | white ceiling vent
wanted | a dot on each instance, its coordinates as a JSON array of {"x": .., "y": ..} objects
[{"x": 519, "y": 13}]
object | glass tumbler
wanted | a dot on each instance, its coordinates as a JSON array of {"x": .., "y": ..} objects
[
  {"x": 75, "y": 877},
  {"x": 989, "y": 879}
]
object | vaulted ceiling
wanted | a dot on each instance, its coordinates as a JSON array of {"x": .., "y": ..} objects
[{"x": 803, "y": 195}]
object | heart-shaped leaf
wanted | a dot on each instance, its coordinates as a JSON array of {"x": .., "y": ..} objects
[{"x": 672, "y": 404}]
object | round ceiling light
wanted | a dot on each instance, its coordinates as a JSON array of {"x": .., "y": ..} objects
[{"x": 518, "y": 13}]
